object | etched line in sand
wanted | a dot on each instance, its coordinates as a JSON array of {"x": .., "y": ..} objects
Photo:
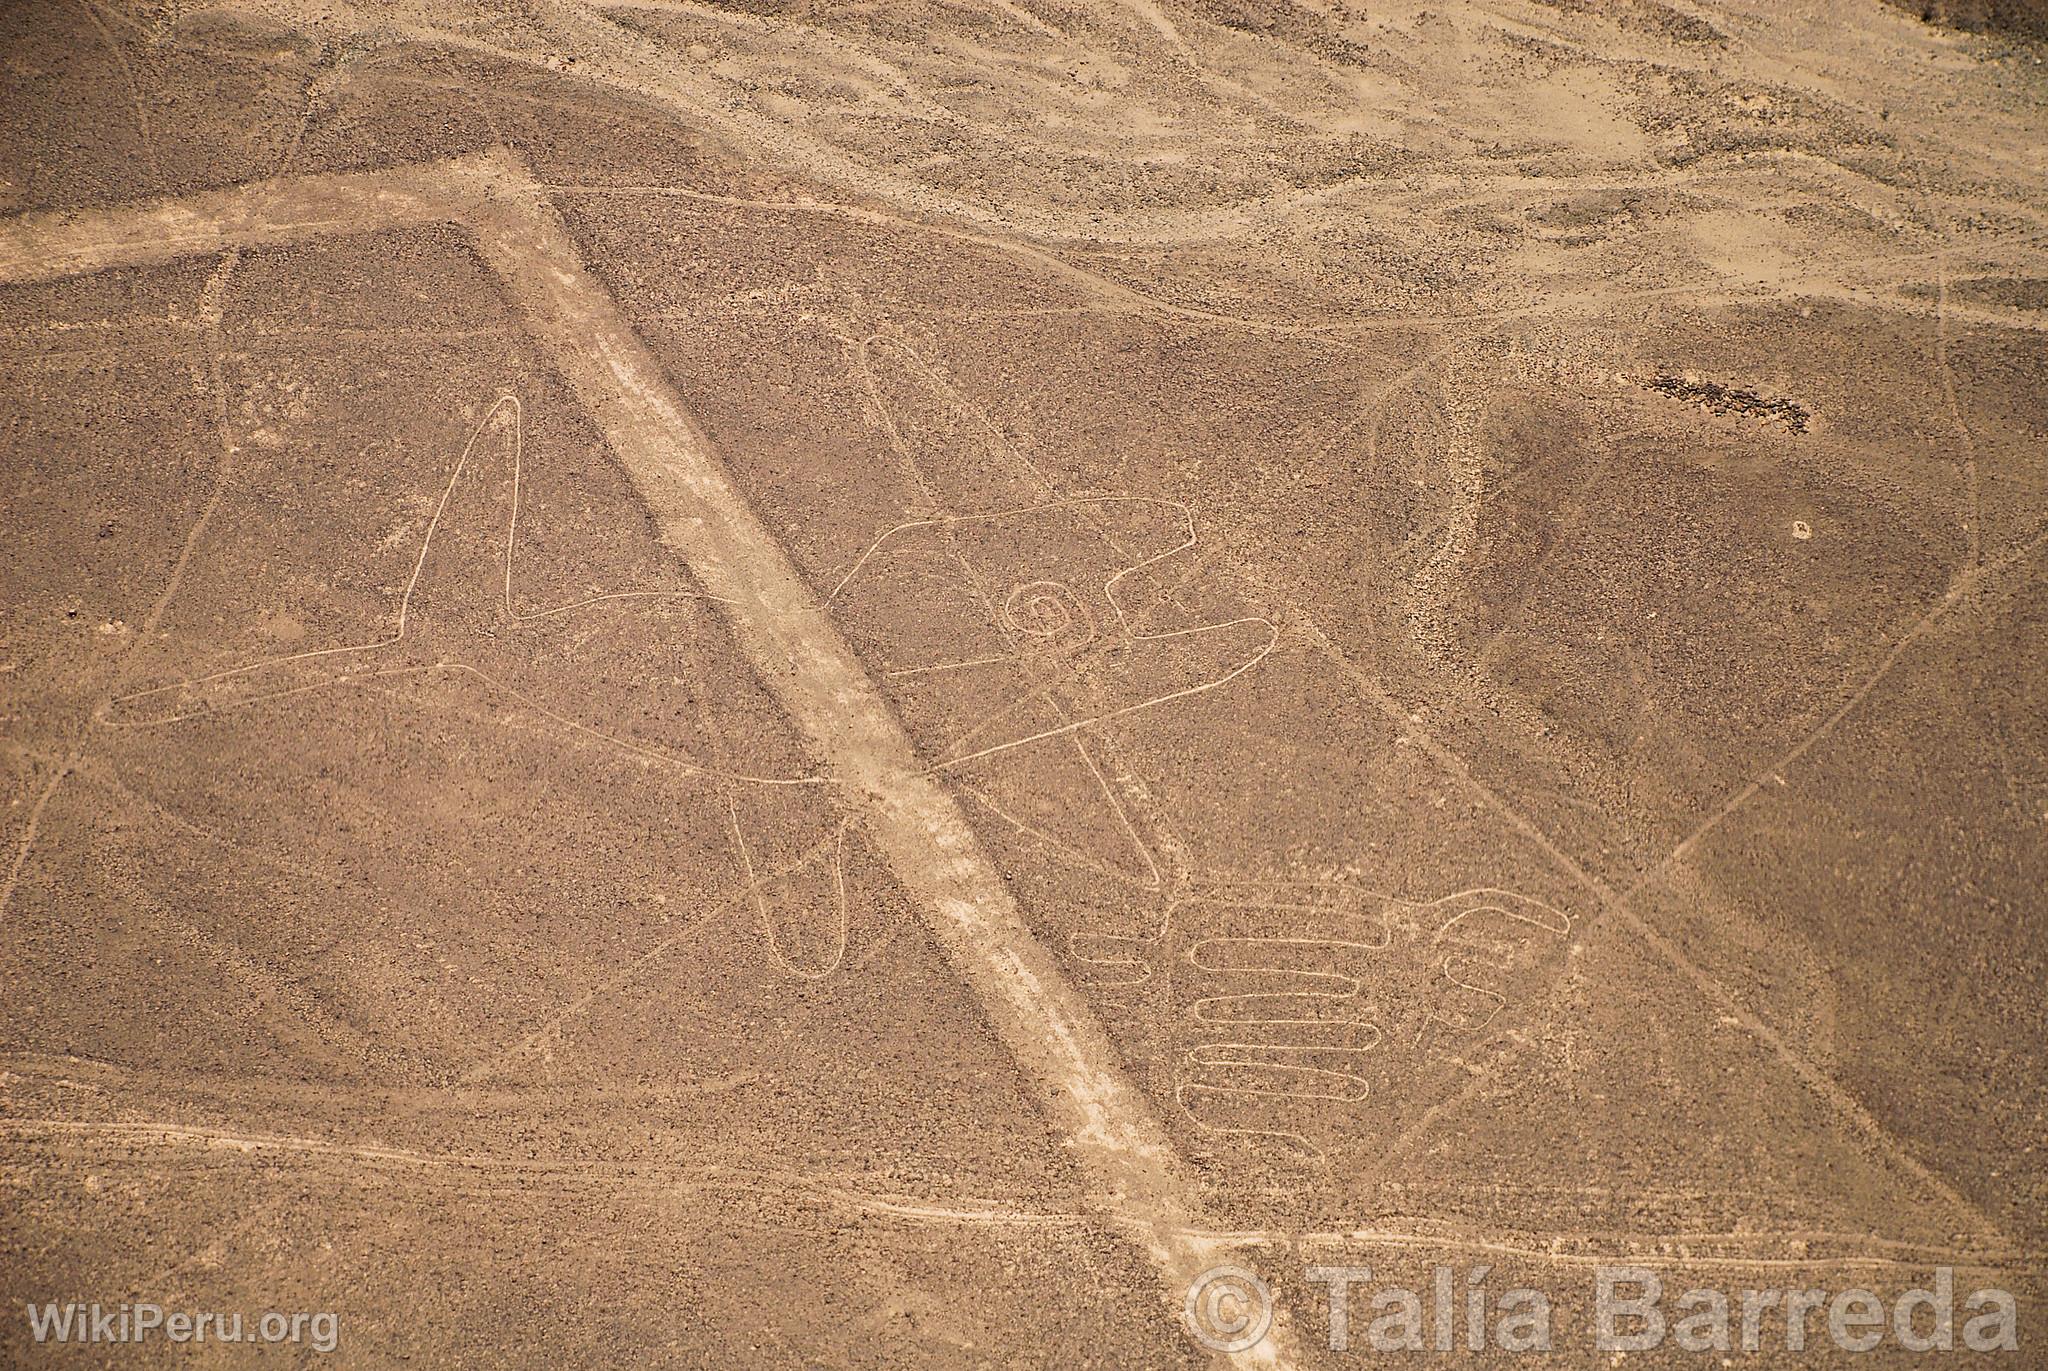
[
  {"x": 1047, "y": 597},
  {"x": 152, "y": 1145},
  {"x": 391, "y": 655},
  {"x": 1135, "y": 1177}
]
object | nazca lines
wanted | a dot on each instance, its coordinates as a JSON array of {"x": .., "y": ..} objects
[
  {"x": 1361, "y": 986},
  {"x": 1017, "y": 542},
  {"x": 449, "y": 574},
  {"x": 451, "y": 597},
  {"x": 1308, "y": 994},
  {"x": 1135, "y": 1179},
  {"x": 1051, "y": 627},
  {"x": 758, "y": 885}
]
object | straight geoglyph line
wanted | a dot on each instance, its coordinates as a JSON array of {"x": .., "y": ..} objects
[{"x": 1137, "y": 1181}]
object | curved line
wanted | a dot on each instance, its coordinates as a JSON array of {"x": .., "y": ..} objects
[
  {"x": 986, "y": 515},
  {"x": 505, "y": 399},
  {"x": 754, "y": 888},
  {"x": 1272, "y": 641},
  {"x": 1109, "y": 592},
  {"x": 1285, "y": 1075}
]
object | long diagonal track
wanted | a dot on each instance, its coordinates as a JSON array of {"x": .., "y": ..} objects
[{"x": 1137, "y": 1182}]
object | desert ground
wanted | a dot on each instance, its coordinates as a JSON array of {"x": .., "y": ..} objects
[{"x": 780, "y": 684}]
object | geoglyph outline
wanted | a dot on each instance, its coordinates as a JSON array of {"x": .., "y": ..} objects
[{"x": 916, "y": 825}]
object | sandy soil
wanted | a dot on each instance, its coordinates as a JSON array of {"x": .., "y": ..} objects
[{"x": 780, "y": 684}]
